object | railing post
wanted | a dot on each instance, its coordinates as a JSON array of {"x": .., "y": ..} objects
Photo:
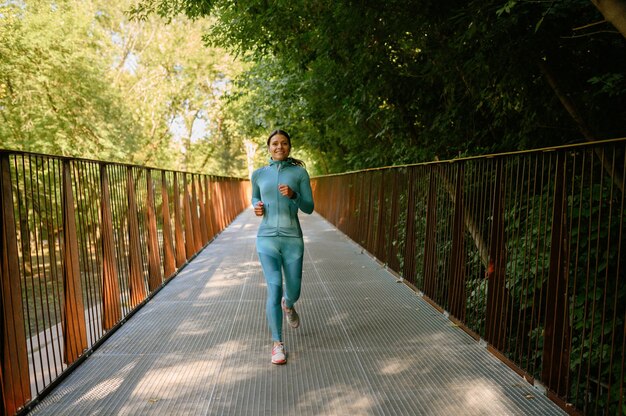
[
  {"x": 154, "y": 271},
  {"x": 190, "y": 243},
  {"x": 409, "y": 244},
  {"x": 214, "y": 211},
  {"x": 431, "y": 234},
  {"x": 169, "y": 264},
  {"x": 181, "y": 258},
  {"x": 111, "y": 306},
  {"x": 14, "y": 376},
  {"x": 218, "y": 204},
  {"x": 496, "y": 289},
  {"x": 369, "y": 218},
  {"x": 135, "y": 265},
  {"x": 391, "y": 257},
  {"x": 371, "y": 221},
  {"x": 197, "y": 233},
  {"x": 208, "y": 209},
  {"x": 346, "y": 208},
  {"x": 379, "y": 249},
  {"x": 556, "y": 343},
  {"x": 224, "y": 203},
  {"x": 203, "y": 225},
  {"x": 74, "y": 328},
  {"x": 352, "y": 211},
  {"x": 363, "y": 224},
  {"x": 227, "y": 203},
  {"x": 456, "y": 294}
]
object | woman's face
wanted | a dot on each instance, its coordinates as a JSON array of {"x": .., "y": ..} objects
[{"x": 279, "y": 147}]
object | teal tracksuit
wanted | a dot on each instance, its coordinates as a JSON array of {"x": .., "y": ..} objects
[{"x": 279, "y": 239}]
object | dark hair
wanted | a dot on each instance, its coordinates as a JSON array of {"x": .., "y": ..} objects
[{"x": 295, "y": 161}]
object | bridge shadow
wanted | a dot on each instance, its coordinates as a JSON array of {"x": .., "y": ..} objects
[{"x": 367, "y": 346}]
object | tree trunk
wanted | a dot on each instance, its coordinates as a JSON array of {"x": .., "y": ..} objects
[
  {"x": 614, "y": 11},
  {"x": 570, "y": 107}
]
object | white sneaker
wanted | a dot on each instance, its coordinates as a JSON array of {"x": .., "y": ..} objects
[
  {"x": 293, "y": 319},
  {"x": 279, "y": 354}
]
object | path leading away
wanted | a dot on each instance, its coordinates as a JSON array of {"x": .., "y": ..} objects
[{"x": 367, "y": 345}]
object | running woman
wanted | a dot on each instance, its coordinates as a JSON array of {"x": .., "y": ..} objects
[{"x": 278, "y": 191}]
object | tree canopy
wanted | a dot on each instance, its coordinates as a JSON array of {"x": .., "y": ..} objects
[
  {"x": 79, "y": 78},
  {"x": 358, "y": 84},
  {"x": 362, "y": 84}
]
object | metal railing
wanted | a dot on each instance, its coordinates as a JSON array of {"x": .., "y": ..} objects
[
  {"x": 525, "y": 251},
  {"x": 83, "y": 244}
]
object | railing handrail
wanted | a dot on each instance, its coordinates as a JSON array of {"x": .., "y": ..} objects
[
  {"x": 109, "y": 162},
  {"x": 572, "y": 146}
]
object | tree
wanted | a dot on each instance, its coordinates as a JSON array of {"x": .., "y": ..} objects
[
  {"x": 368, "y": 84},
  {"x": 54, "y": 94},
  {"x": 614, "y": 11},
  {"x": 78, "y": 78}
]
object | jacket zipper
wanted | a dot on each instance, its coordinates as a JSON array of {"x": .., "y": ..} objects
[{"x": 278, "y": 200}]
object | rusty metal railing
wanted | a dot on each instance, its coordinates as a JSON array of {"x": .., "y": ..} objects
[
  {"x": 83, "y": 244},
  {"x": 526, "y": 251}
]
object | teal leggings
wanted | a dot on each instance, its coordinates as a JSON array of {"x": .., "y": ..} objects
[{"x": 278, "y": 256}]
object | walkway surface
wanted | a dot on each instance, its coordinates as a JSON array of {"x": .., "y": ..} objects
[{"x": 367, "y": 346}]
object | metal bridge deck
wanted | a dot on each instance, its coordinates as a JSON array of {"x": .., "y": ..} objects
[{"x": 367, "y": 346}]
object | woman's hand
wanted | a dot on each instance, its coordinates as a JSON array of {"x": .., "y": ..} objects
[
  {"x": 258, "y": 209},
  {"x": 285, "y": 190}
]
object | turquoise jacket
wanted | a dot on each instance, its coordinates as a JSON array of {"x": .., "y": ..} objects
[{"x": 280, "y": 216}]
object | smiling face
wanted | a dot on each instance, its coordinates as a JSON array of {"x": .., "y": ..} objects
[{"x": 279, "y": 147}]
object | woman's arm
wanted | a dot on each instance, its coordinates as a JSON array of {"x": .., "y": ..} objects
[
  {"x": 304, "y": 196},
  {"x": 256, "y": 191}
]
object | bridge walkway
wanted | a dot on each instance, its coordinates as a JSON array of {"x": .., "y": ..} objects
[{"x": 368, "y": 345}]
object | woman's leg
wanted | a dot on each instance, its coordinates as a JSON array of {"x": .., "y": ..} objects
[
  {"x": 269, "y": 255},
  {"x": 292, "y": 249}
]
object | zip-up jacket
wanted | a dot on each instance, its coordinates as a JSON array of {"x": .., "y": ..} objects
[{"x": 280, "y": 214}]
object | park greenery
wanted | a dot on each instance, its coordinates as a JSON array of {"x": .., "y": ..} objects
[
  {"x": 186, "y": 84},
  {"x": 364, "y": 84},
  {"x": 79, "y": 78}
]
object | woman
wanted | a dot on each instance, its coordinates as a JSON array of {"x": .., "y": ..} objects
[{"x": 278, "y": 191}]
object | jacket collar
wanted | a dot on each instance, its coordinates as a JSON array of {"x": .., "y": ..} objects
[{"x": 281, "y": 163}]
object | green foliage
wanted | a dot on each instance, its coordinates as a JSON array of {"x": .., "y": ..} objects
[
  {"x": 54, "y": 93},
  {"x": 77, "y": 78},
  {"x": 370, "y": 84},
  {"x": 610, "y": 85},
  {"x": 357, "y": 85}
]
